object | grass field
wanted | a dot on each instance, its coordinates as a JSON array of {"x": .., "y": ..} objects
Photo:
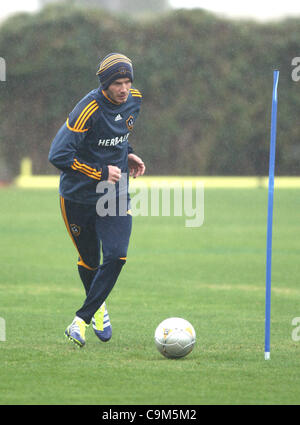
[{"x": 213, "y": 276}]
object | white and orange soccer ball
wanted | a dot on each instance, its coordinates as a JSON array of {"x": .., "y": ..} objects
[{"x": 175, "y": 337}]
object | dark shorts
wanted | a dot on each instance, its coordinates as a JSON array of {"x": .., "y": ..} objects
[{"x": 89, "y": 232}]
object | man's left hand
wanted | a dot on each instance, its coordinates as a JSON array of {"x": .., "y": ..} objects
[{"x": 136, "y": 166}]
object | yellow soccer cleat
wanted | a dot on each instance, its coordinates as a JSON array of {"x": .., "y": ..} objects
[
  {"x": 101, "y": 324},
  {"x": 76, "y": 331}
]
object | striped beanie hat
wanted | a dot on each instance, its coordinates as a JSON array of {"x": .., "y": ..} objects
[{"x": 112, "y": 67}]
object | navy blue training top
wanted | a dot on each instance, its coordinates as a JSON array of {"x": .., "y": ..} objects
[{"x": 94, "y": 136}]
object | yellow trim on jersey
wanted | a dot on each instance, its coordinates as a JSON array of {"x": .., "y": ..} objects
[
  {"x": 82, "y": 117},
  {"x": 86, "y": 169},
  {"x": 73, "y": 129},
  {"x": 135, "y": 93},
  {"x": 108, "y": 98},
  {"x": 83, "y": 112},
  {"x": 87, "y": 115}
]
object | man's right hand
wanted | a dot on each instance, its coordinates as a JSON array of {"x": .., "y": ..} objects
[{"x": 114, "y": 174}]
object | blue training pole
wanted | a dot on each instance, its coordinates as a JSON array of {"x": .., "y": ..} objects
[{"x": 270, "y": 215}]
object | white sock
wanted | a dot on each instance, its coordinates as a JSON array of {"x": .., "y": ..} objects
[{"x": 78, "y": 318}]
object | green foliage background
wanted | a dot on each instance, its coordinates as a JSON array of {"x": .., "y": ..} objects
[{"x": 206, "y": 83}]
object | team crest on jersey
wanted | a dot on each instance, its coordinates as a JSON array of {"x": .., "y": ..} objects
[
  {"x": 75, "y": 229},
  {"x": 130, "y": 122}
]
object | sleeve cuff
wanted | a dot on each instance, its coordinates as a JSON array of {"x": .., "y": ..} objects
[{"x": 104, "y": 174}]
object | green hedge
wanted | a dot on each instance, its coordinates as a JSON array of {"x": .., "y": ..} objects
[{"x": 206, "y": 83}]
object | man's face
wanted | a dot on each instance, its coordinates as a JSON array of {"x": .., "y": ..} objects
[{"x": 118, "y": 91}]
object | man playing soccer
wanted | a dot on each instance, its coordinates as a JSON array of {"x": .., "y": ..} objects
[{"x": 91, "y": 147}]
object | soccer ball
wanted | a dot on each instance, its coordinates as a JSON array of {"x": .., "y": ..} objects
[{"x": 175, "y": 337}]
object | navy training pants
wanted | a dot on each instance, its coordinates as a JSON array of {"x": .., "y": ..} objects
[{"x": 89, "y": 232}]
